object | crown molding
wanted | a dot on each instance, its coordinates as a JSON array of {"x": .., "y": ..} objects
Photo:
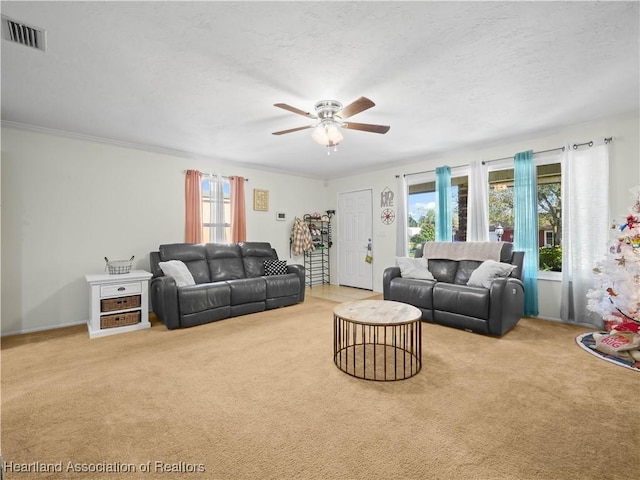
[
  {"x": 103, "y": 140},
  {"x": 143, "y": 147}
]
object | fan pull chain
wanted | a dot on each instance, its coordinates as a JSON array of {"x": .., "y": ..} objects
[{"x": 335, "y": 149}]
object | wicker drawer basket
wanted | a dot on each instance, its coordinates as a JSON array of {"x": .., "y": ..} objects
[
  {"x": 119, "y": 320},
  {"x": 120, "y": 303}
]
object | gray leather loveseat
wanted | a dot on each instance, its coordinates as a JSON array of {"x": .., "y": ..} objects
[
  {"x": 447, "y": 299},
  {"x": 230, "y": 280}
]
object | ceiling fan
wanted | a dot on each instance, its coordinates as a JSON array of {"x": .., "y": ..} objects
[{"x": 332, "y": 116}]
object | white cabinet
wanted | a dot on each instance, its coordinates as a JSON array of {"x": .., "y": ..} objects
[{"x": 119, "y": 303}]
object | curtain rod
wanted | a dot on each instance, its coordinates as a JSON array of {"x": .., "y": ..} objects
[
  {"x": 575, "y": 146},
  {"x": 432, "y": 170},
  {"x": 215, "y": 175},
  {"x": 484, "y": 162},
  {"x": 590, "y": 143}
]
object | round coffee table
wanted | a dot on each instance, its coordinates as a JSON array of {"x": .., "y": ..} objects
[{"x": 377, "y": 339}]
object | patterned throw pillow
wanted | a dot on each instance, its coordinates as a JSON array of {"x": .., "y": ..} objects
[{"x": 275, "y": 267}]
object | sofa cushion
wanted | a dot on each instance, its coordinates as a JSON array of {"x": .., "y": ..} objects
[
  {"x": 199, "y": 298},
  {"x": 253, "y": 256},
  {"x": 414, "y": 268},
  {"x": 282, "y": 285},
  {"x": 247, "y": 290},
  {"x": 461, "y": 299},
  {"x": 488, "y": 271},
  {"x": 192, "y": 255},
  {"x": 443, "y": 270},
  {"x": 412, "y": 291},
  {"x": 275, "y": 267},
  {"x": 179, "y": 271},
  {"x": 465, "y": 269},
  {"x": 224, "y": 261}
]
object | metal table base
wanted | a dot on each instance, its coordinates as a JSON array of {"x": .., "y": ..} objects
[{"x": 381, "y": 349}]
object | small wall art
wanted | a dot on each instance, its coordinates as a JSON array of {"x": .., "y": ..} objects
[{"x": 260, "y": 200}]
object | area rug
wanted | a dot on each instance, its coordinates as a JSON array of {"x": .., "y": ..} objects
[
  {"x": 258, "y": 396},
  {"x": 588, "y": 344}
]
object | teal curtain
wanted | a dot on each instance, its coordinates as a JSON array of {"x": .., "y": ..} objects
[
  {"x": 525, "y": 212},
  {"x": 444, "y": 212}
]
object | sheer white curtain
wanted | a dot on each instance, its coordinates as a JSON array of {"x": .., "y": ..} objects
[
  {"x": 218, "y": 211},
  {"x": 213, "y": 216},
  {"x": 585, "y": 227},
  {"x": 478, "y": 203},
  {"x": 402, "y": 227}
]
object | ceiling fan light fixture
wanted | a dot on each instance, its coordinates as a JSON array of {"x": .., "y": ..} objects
[
  {"x": 327, "y": 133},
  {"x": 331, "y": 116}
]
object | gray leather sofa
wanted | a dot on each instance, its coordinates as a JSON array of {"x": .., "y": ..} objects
[
  {"x": 229, "y": 280},
  {"x": 448, "y": 300}
]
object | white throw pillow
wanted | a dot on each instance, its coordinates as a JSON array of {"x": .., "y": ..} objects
[
  {"x": 179, "y": 271},
  {"x": 487, "y": 271},
  {"x": 414, "y": 268}
]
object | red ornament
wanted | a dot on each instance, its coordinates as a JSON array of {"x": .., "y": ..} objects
[{"x": 627, "y": 327}]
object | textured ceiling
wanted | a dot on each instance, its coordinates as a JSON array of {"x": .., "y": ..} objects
[{"x": 202, "y": 77}]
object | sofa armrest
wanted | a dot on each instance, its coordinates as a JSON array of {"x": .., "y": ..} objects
[
  {"x": 389, "y": 274},
  {"x": 298, "y": 270},
  {"x": 164, "y": 300},
  {"x": 506, "y": 304}
]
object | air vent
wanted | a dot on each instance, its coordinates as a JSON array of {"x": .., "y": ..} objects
[{"x": 24, "y": 34}]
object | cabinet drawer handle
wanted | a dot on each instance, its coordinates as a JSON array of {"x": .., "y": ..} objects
[{"x": 121, "y": 289}]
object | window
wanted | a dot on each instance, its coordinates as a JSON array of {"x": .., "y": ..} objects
[
  {"x": 421, "y": 204},
  {"x": 549, "y": 211},
  {"x": 421, "y": 208},
  {"x": 548, "y": 238},
  {"x": 216, "y": 209}
]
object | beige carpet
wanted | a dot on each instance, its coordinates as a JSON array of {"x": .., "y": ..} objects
[{"x": 258, "y": 397}]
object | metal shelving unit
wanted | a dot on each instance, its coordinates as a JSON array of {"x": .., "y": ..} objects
[{"x": 317, "y": 262}]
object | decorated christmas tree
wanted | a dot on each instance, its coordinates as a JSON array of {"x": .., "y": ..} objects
[{"x": 617, "y": 294}]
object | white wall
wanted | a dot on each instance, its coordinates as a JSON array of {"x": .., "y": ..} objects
[
  {"x": 624, "y": 174},
  {"x": 67, "y": 203}
]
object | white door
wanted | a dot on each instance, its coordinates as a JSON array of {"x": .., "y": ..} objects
[{"x": 354, "y": 235}]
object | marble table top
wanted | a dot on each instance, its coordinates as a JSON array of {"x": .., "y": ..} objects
[{"x": 378, "y": 312}]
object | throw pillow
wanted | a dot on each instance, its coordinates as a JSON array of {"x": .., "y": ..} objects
[
  {"x": 414, "y": 268},
  {"x": 487, "y": 271},
  {"x": 275, "y": 267},
  {"x": 179, "y": 271}
]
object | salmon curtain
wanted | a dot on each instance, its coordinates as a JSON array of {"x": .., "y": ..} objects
[
  {"x": 193, "y": 206},
  {"x": 238, "y": 213}
]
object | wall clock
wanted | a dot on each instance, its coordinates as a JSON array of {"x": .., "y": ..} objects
[{"x": 387, "y": 216}]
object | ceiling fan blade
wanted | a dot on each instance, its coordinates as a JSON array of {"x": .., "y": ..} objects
[
  {"x": 282, "y": 132},
  {"x": 360, "y": 105},
  {"x": 366, "y": 127},
  {"x": 294, "y": 110}
]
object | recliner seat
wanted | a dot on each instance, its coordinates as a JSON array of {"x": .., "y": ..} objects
[
  {"x": 448, "y": 300},
  {"x": 230, "y": 281}
]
